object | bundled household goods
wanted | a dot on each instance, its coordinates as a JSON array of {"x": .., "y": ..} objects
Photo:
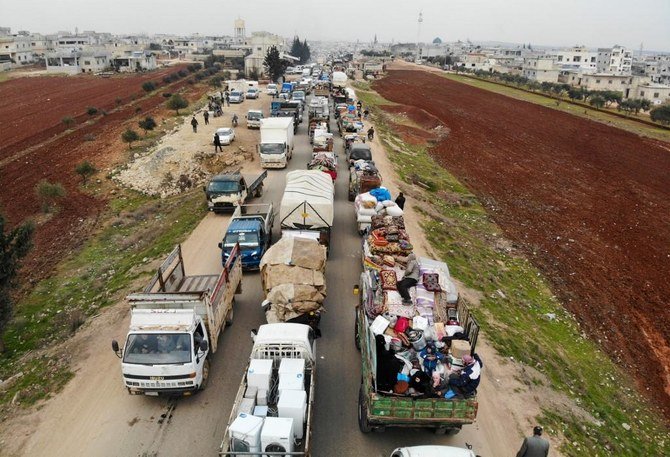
[
  {"x": 412, "y": 352},
  {"x": 293, "y": 278},
  {"x": 375, "y": 202}
]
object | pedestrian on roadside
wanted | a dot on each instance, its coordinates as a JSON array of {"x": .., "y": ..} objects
[
  {"x": 194, "y": 124},
  {"x": 217, "y": 143},
  {"x": 227, "y": 98},
  {"x": 400, "y": 201},
  {"x": 534, "y": 446},
  {"x": 366, "y": 113},
  {"x": 206, "y": 116}
]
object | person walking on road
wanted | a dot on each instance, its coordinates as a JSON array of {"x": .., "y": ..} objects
[
  {"x": 194, "y": 124},
  {"x": 534, "y": 446},
  {"x": 206, "y": 116},
  {"x": 217, "y": 143},
  {"x": 400, "y": 201},
  {"x": 226, "y": 97}
]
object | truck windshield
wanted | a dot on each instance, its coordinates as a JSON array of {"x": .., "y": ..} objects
[
  {"x": 223, "y": 186},
  {"x": 246, "y": 239},
  {"x": 254, "y": 116},
  {"x": 157, "y": 348},
  {"x": 272, "y": 148}
]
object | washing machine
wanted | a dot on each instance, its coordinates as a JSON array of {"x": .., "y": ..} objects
[
  {"x": 277, "y": 434},
  {"x": 259, "y": 374},
  {"x": 293, "y": 404},
  {"x": 245, "y": 433},
  {"x": 291, "y": 375}
]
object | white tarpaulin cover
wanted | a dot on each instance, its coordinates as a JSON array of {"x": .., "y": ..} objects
[
  {"x": 339, "y": 79},
  {"x": 308, "y": 200}
]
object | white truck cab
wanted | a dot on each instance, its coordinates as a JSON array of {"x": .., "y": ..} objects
[{"x": 165, "y": 349}]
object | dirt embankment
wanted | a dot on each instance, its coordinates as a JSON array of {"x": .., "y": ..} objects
[{"x": 589, "y": 204}]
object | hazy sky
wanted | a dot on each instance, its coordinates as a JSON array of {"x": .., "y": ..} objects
[{"x": 551, "y": 22}]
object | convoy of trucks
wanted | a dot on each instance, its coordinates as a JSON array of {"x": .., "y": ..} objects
[
  {"x": 250, "y": 229},
  {"x": 226, "y": 191},
  {"x": 177, "y": 319},
  {"x": 276, "y": 146},
  {"x": 175, "y": 324}
]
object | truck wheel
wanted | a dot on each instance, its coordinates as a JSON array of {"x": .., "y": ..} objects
[
  {"x": 363, "y": 422},
  {"x": 352, "y": 197},
  {"x": 205, "y": 375},
  {"x": 259, "y": 191},
  {"x": 451, "y": 431},
  {"x": 356, "y": 334}
]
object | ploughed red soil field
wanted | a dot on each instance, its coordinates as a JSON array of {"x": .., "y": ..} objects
[
  {"x": 590, "y": 204},
  {"x": 31, "y": 149}
]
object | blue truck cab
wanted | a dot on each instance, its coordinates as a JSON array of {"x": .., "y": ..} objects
[{"x": 251, "y": 228}]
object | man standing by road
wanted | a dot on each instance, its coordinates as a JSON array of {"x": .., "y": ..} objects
[
  {"x": 194, "y": 124},
  {"x": 206, "y": 116},
  {"x": 534, "y": 446},
  {"x": 400, "y": 201},
  {"x": 217, "y": 143}
]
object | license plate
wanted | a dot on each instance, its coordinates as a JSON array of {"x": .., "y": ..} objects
[
  {"x": 152, "y": 394},
  {"x": 157, "y": 378}
]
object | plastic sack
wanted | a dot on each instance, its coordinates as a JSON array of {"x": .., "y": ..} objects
[{"x": 394, "y": 211}]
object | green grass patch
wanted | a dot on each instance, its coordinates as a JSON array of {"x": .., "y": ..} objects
[
  {"x": 629, "y": 125},
  {"x": 136, "y": 230},
  {"x": 521, "y": 317}
]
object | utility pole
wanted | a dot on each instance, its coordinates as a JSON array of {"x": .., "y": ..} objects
[{"x": 418, "y": 37}]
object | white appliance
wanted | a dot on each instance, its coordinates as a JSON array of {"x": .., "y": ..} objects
[
  {"x": 261, "y": 411},
  {"x": 246, "y": 406},
  {"x": 245, "y": 433},
  {"x": 293, "y": 404},
  {"x": 259, "y": 374},
  {"x": 291, "y": 375},
  {"x": 277, "y": 434}
]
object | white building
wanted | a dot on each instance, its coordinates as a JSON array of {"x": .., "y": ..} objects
[
  {"x": 477, "y": 61},
  {"x": 259, "y": 43},
  {"x": 16, "y": 49},
  {"x": 616, "y": 60},
  {"x": 540, "y": 69},
  {"x": 577, "y": 58},
  {"x": 657, "y": 94}
]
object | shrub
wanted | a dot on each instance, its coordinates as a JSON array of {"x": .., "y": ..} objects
[
  {"x": 130, "y": 136},
  {"x": 92, "y": 110},
  {"x": 68, "y": 121},
  {"x": 177, "y": 102},
  {"x": 89, "y": 137},
  {"x": 661, "y": 114},
  {"x": 119, "y": 100},
  {"x": 146, "y": 124},
  {"x": 85, "y": 170},
  {"x": 182, "y": 73},
  {"x": 138, "y": 109},
  {"x": 167, "y": 94},
  {"x": 149, "y": 86},
  {"x": 49, "y": 194}
]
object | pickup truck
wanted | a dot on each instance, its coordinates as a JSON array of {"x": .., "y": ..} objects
[
  {"x": 174, "y": 326},
  {"x": 378, "y": 409},
  {"x": 283, "y": 356},
  {"x": 226, "y": 191},
  {"x": 251, "y": 229}
]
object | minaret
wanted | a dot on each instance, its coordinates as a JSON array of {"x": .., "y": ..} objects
[
  {"x": 240, "y": 32},
  {"x": 418, "y": 37}
]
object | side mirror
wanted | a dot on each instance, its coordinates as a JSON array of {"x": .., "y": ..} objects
[
  {"x": 204, "y": 345},
  {"x": 357, "y": 289},
  {"x": 204, "y": 189},
  {"x": 220, "y": 245},
  {"x": 115, "y": 346},
  {"x": 254, "y": 332}
]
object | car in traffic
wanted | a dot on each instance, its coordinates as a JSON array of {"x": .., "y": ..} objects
[
  {"x": 236, "y": 97},
  {"x": 226, "y": 135},
  {"x": 271, "y": 89},
  {"x": 252, "y": 92}
]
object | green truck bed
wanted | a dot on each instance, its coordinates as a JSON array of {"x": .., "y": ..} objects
[{"x": 377, "y": 411}]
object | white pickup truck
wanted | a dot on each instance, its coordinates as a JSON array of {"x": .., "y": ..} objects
[
  {"x": 174, "y": 326},
  {"x": 272, "y": 413}
]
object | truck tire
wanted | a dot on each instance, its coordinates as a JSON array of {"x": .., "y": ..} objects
[
  {"x": 352, "y": 197},
  {"x": 205, "y": 375},
  {"x": 356, "y": 334},
  {"x": 259, "y": 191},
  {"x": 363, "y": 422}
]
